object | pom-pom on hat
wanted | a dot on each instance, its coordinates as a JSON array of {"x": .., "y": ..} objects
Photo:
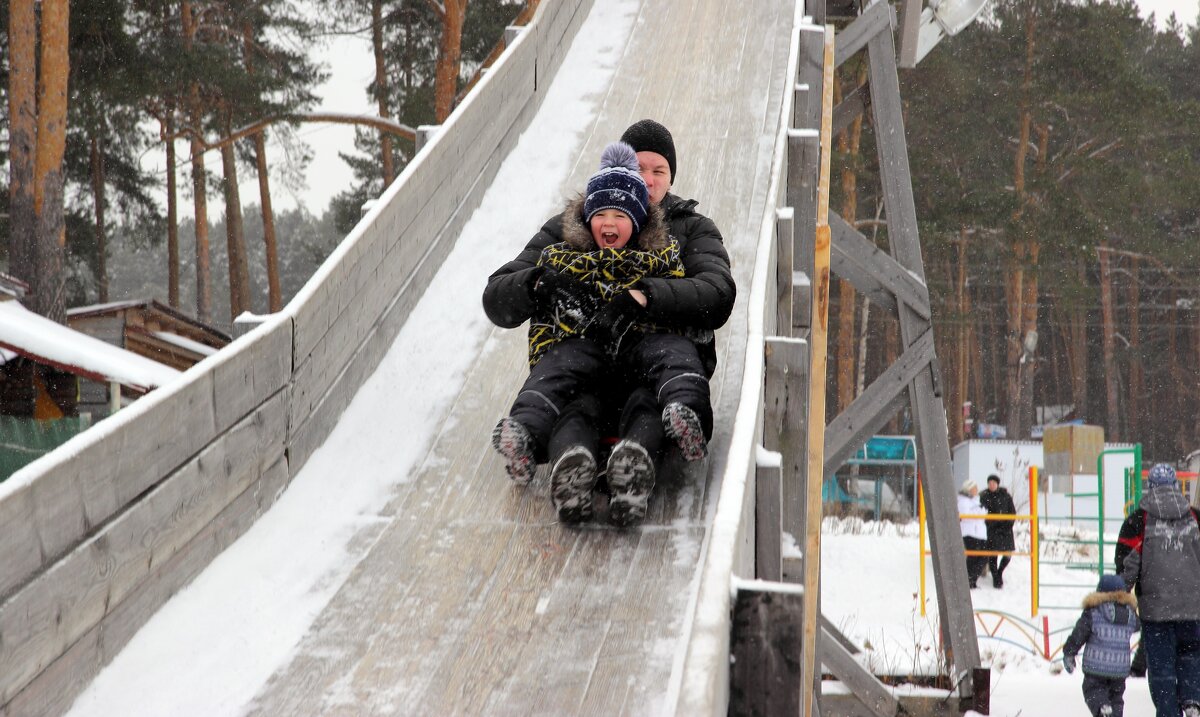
[
  {"x": 1110, "y": 584},
  {"x": 618, "y": 185},
  {"x": 1162, "y": 474},
  {"x": 649, "y": 136}
]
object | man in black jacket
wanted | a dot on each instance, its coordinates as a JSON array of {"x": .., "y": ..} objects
[{"x": 697, "y": 304}]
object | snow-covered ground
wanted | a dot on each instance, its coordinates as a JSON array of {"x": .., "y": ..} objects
[{"x": 870, "y": 589}]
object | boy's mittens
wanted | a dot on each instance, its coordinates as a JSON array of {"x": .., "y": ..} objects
[
  {"x": 1069, "y": 663},
  {"x": 614, "y": 321},
  {"x": 561, "y": 295}
]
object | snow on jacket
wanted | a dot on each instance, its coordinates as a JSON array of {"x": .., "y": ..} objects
[
  {"x": 609, "y": 271},
  {"x": 999, "y": 532},
  {"x": 702, "y": 300},
  {"x": 1103, "y": 630},
  {"x": 1164, "y": 561},
  {"x": 971, "y": 527}
]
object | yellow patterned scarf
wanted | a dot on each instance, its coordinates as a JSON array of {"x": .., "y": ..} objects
[{"x": 610, "y": 271}]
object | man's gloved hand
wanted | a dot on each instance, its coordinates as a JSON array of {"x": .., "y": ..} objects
[
  {"x": 1069, "y": 663},
  {"x": 613, "y": 322},
  {"x": 557, "y": 294}
]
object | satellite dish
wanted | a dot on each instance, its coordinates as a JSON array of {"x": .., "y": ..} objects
[{"x": 944, "y": 17}]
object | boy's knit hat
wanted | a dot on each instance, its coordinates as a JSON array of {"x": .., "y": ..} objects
[
  {"x": 649, "y": 136},
  {"x": 1162, "y": 474},
  {"x": 1110, "y": 584},
  {"x": 618, "y": 185}
]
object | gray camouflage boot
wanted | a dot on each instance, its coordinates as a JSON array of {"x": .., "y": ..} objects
[
  {"x": 512, "y": 440},
  {"x": 571, "y": 481},
  {"x": 682, "y": 425},
  {"x": 631, "y": 480}
]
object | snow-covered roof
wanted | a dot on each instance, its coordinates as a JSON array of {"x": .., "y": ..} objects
[
  {"x": 49, "y": 342},
  {"x": 184, "y": 342}
]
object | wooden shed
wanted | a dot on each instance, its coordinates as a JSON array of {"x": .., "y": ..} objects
[{"x": 151, "y": 329}]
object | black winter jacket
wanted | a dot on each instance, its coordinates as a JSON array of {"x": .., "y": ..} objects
[
  {"x": 702, "y": 300},
  {"x": 1000, "y": 532}
]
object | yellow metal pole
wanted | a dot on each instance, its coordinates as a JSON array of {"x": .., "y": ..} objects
[
  {"x": 921, "y": 538},
  {"x": 818, "y": 352},
  {"x": 1034, "y": 527}
]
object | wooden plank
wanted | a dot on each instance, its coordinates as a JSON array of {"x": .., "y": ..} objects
[
  {"x": 830, "y": 631},
  {"x": 786, "y": 423},
  {"x": 768, "y": 523},
  {"x": 866, "y": 687},
  {"x": 886, "y": 272},
  {"x": 877, "y": 18},
  {"x": 251, "y": 371},
  {"x": 933, "y": 450},
  {"x": 818, "y": 348},
  {"x": 765, "y": 645},
  {"x": 852, "y": 106},
  {"x": 42, "y": 620},
  {"x": 876, "y": 404},
  {"x": 784, "y": 245},
  {"x": 58, "y": 685}
]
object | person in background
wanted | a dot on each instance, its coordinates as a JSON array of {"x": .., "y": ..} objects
[
  {"x": 973, "y": 530},
  {"x": 1102, "y": 632},
  {"x": 999, "y": 532},
  {"x": 1158, "y": 550}
]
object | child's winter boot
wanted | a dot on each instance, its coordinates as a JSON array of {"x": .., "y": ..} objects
[
  {"x": 630, "y": 480},
  {"x": 682, "y": 425},
  {"x": 512, "y": 440},
  {"x": 571, "y": 481}
]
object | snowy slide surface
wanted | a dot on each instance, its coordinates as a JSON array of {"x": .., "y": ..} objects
[{"x": 401, "y": 573}]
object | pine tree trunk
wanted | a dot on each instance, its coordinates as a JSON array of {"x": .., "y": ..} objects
[
  {"x": 49, "y": 280},
  {"x": 382, "y": 89},
  {"x": 962, "y": 341},
  {"x": 22, "y": 135},
  {"x": 96, "y": 159},
  {"x": 1136, "y": 374},
  {"x": 848, "y": 144},
  {"x": 274, "y": 290},
  {"x": 199, "y": 183},
  {"x": 1112, "y": 406},
  {"x": 235, "y": 237},
  {"x": 172, "y": 210},
  {"x": 449, "y": 57}
]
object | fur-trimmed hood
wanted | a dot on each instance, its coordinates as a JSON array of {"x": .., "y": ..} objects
[
  {"x": 577, "y": 235},
  {"x": 1097, "y": 599}
]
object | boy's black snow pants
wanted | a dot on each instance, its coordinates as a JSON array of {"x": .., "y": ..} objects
[
  {"x": 1099, "y": 691},
  {"x": 668, "y": 366}
]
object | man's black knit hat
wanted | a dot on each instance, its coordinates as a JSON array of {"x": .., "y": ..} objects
[{"x": 649, "y": 136}]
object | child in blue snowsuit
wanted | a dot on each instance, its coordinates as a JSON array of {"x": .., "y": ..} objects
[{"x": 1109, "y": 619}]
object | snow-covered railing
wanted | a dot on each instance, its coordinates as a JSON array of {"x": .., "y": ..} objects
[
  {"x": 731, "y": 552},
  {"x": 98, "y": 533}
]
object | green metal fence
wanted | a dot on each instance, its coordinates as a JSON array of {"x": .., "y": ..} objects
[{"x": 23, "y": 440}]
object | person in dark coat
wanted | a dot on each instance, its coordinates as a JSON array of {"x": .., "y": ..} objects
[
  {"x": 1158, "y": 550},
  {"x": 696, "y": 304},
  {"x": 613, "y": 239},
  {"x": 1109, "y": 619},
  {"x": 996, "y": 499}
]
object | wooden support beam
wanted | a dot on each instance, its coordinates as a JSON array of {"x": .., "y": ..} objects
[
  {"x": 933, "y": 450},
  {"x": 818, "y": 350},
  {"x": 829, "y": 630},
  {"x": 768, "y": 522},
  {"x": 784, "y": 245},
  {"x": 873, "y": 694},
  {"x": 853, "y": 247},
  {"x": 785, "y": 423},
  {"x": 875, "y": 405},
  {"x": 877, "y": 18},
  {"x": 910, "y": 26},
  {"x": 801, "y": 304},
  {"x": 804, "y": 156},
  {"x": 852, "y": 106},
  {"x": 767, "y": 627}
]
